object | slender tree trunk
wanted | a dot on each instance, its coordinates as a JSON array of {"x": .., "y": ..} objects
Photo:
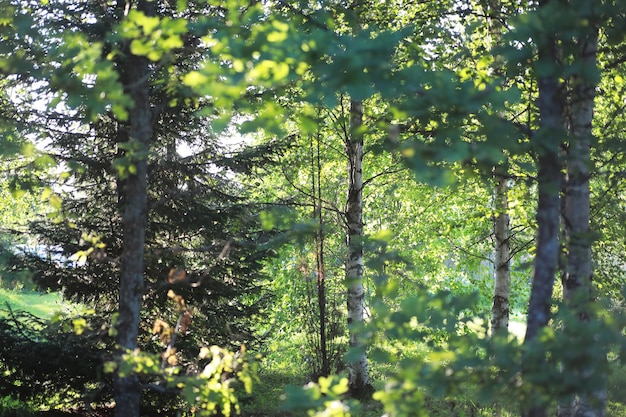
[
  {"x": 502, "y": 288},
  {"x": 500, "y": 308},
  {"x": 548, "y": 140},
  {"x": 578, "y": 270},
  {"x": 127, "y": 388},
  {"x": 319, "y": 258},
  {"x": 358, "y": 373}
]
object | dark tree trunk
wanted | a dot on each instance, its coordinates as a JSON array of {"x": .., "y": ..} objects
[
  {"x": 127, "y": 387},
  {"x": 548, "y": 139},
  {"x": 319, "y": 259}
]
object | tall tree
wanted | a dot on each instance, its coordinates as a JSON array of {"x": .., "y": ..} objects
[
  {"x": 577, "y": 275},
  {"x": 160, "y": 220},
  {"x": 502, "y": 277},
  {"x": 359, "y": 383},
  {"x": 134, "y": 193},
  {"x": 578, "y": 270},
  {"x": 548, "y": 140},
  {"x": 320, "y": 263}
]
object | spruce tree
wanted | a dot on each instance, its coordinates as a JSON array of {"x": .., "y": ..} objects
[{"x": 200, "y": 248}]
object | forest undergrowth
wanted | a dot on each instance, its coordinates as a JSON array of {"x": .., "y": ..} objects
[{"x": 283, "y": 363}]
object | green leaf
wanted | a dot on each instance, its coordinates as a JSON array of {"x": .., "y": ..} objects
[{"x": 195, "y": 79}]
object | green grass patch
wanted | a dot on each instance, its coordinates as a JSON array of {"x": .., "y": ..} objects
[
  {"x": 39, "y": 304},
  {"x": 268, "y": 394}
]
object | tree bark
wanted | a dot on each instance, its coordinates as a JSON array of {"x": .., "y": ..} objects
[
  {"x": 548, "y": 140},
  {"x": 502, "y": 286},
  {"x": 135, "y": 209},
  {"x": 500, "y": 308},
  {"x": 578, "y": 271},
  {"x": 577, "y": 276},
  {"x": 359, "y": 383},
  {"x": 547, "y": 251}
]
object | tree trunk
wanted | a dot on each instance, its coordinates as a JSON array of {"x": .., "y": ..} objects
[
  {"x": 319, "y": 259},
  {"x": 127, "y": 387},
  {"x": 546, "y": 257},
  {"x": 359, "y": 383},
  {"x": 577, "y": 276},
  {"x": 502, "y": 288},
  {"x": 578, "y": 271},
  {"x": 547, "y": 140},
  {"x": 500, "y": 308}
]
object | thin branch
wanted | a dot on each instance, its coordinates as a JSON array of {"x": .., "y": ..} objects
[{"x": 388, "y": 171}]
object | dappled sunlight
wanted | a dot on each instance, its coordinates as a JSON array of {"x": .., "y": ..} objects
[{"x": 323, "y": 209}]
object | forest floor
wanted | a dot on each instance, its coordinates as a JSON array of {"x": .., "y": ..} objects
[{"x": 282, "y": 366}]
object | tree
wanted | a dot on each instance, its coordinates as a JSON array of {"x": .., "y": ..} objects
[
  {"x": 578, "y": 270},
  {"x": 160, "y": 225},
  {"x": 359, "y": 383},
  {"x": 502, "y": 289},
  {"x": 577, "y": 274},
  {"x": 552, "y": 108},
  {"x": 502, "y": 263},
  {"x": 134, "y": 194},
  {"x": 548, "y": 140}
]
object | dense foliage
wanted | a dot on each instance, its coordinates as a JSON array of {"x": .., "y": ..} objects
[{"x": 390, "y": 153}]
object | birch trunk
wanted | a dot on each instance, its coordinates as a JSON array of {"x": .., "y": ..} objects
[
  {"x": 502, "y": 286},
  {"x": 127, "y": 388},
  {"x": 358, "y": 370},
  {"x": 548, "y": 140},
  {"x": 577, "y": 277},
  {"x": 500, "y": 308},
  {"x": 578, "y": 271}
]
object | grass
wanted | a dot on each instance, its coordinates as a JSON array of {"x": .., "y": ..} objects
[
  {"x": 617, "y": 393},
  {"x": 268, "y": 394},
  {"x": 42, "y": 305}
]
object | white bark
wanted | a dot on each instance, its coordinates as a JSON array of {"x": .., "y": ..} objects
[
  {"x": 502, "y": 287},
  {"x": 577, "y": 205},
  {"x": 578, "y": 272},
  {"x": 358, "y": 370},
  {"x": 500, "y": 308}
]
